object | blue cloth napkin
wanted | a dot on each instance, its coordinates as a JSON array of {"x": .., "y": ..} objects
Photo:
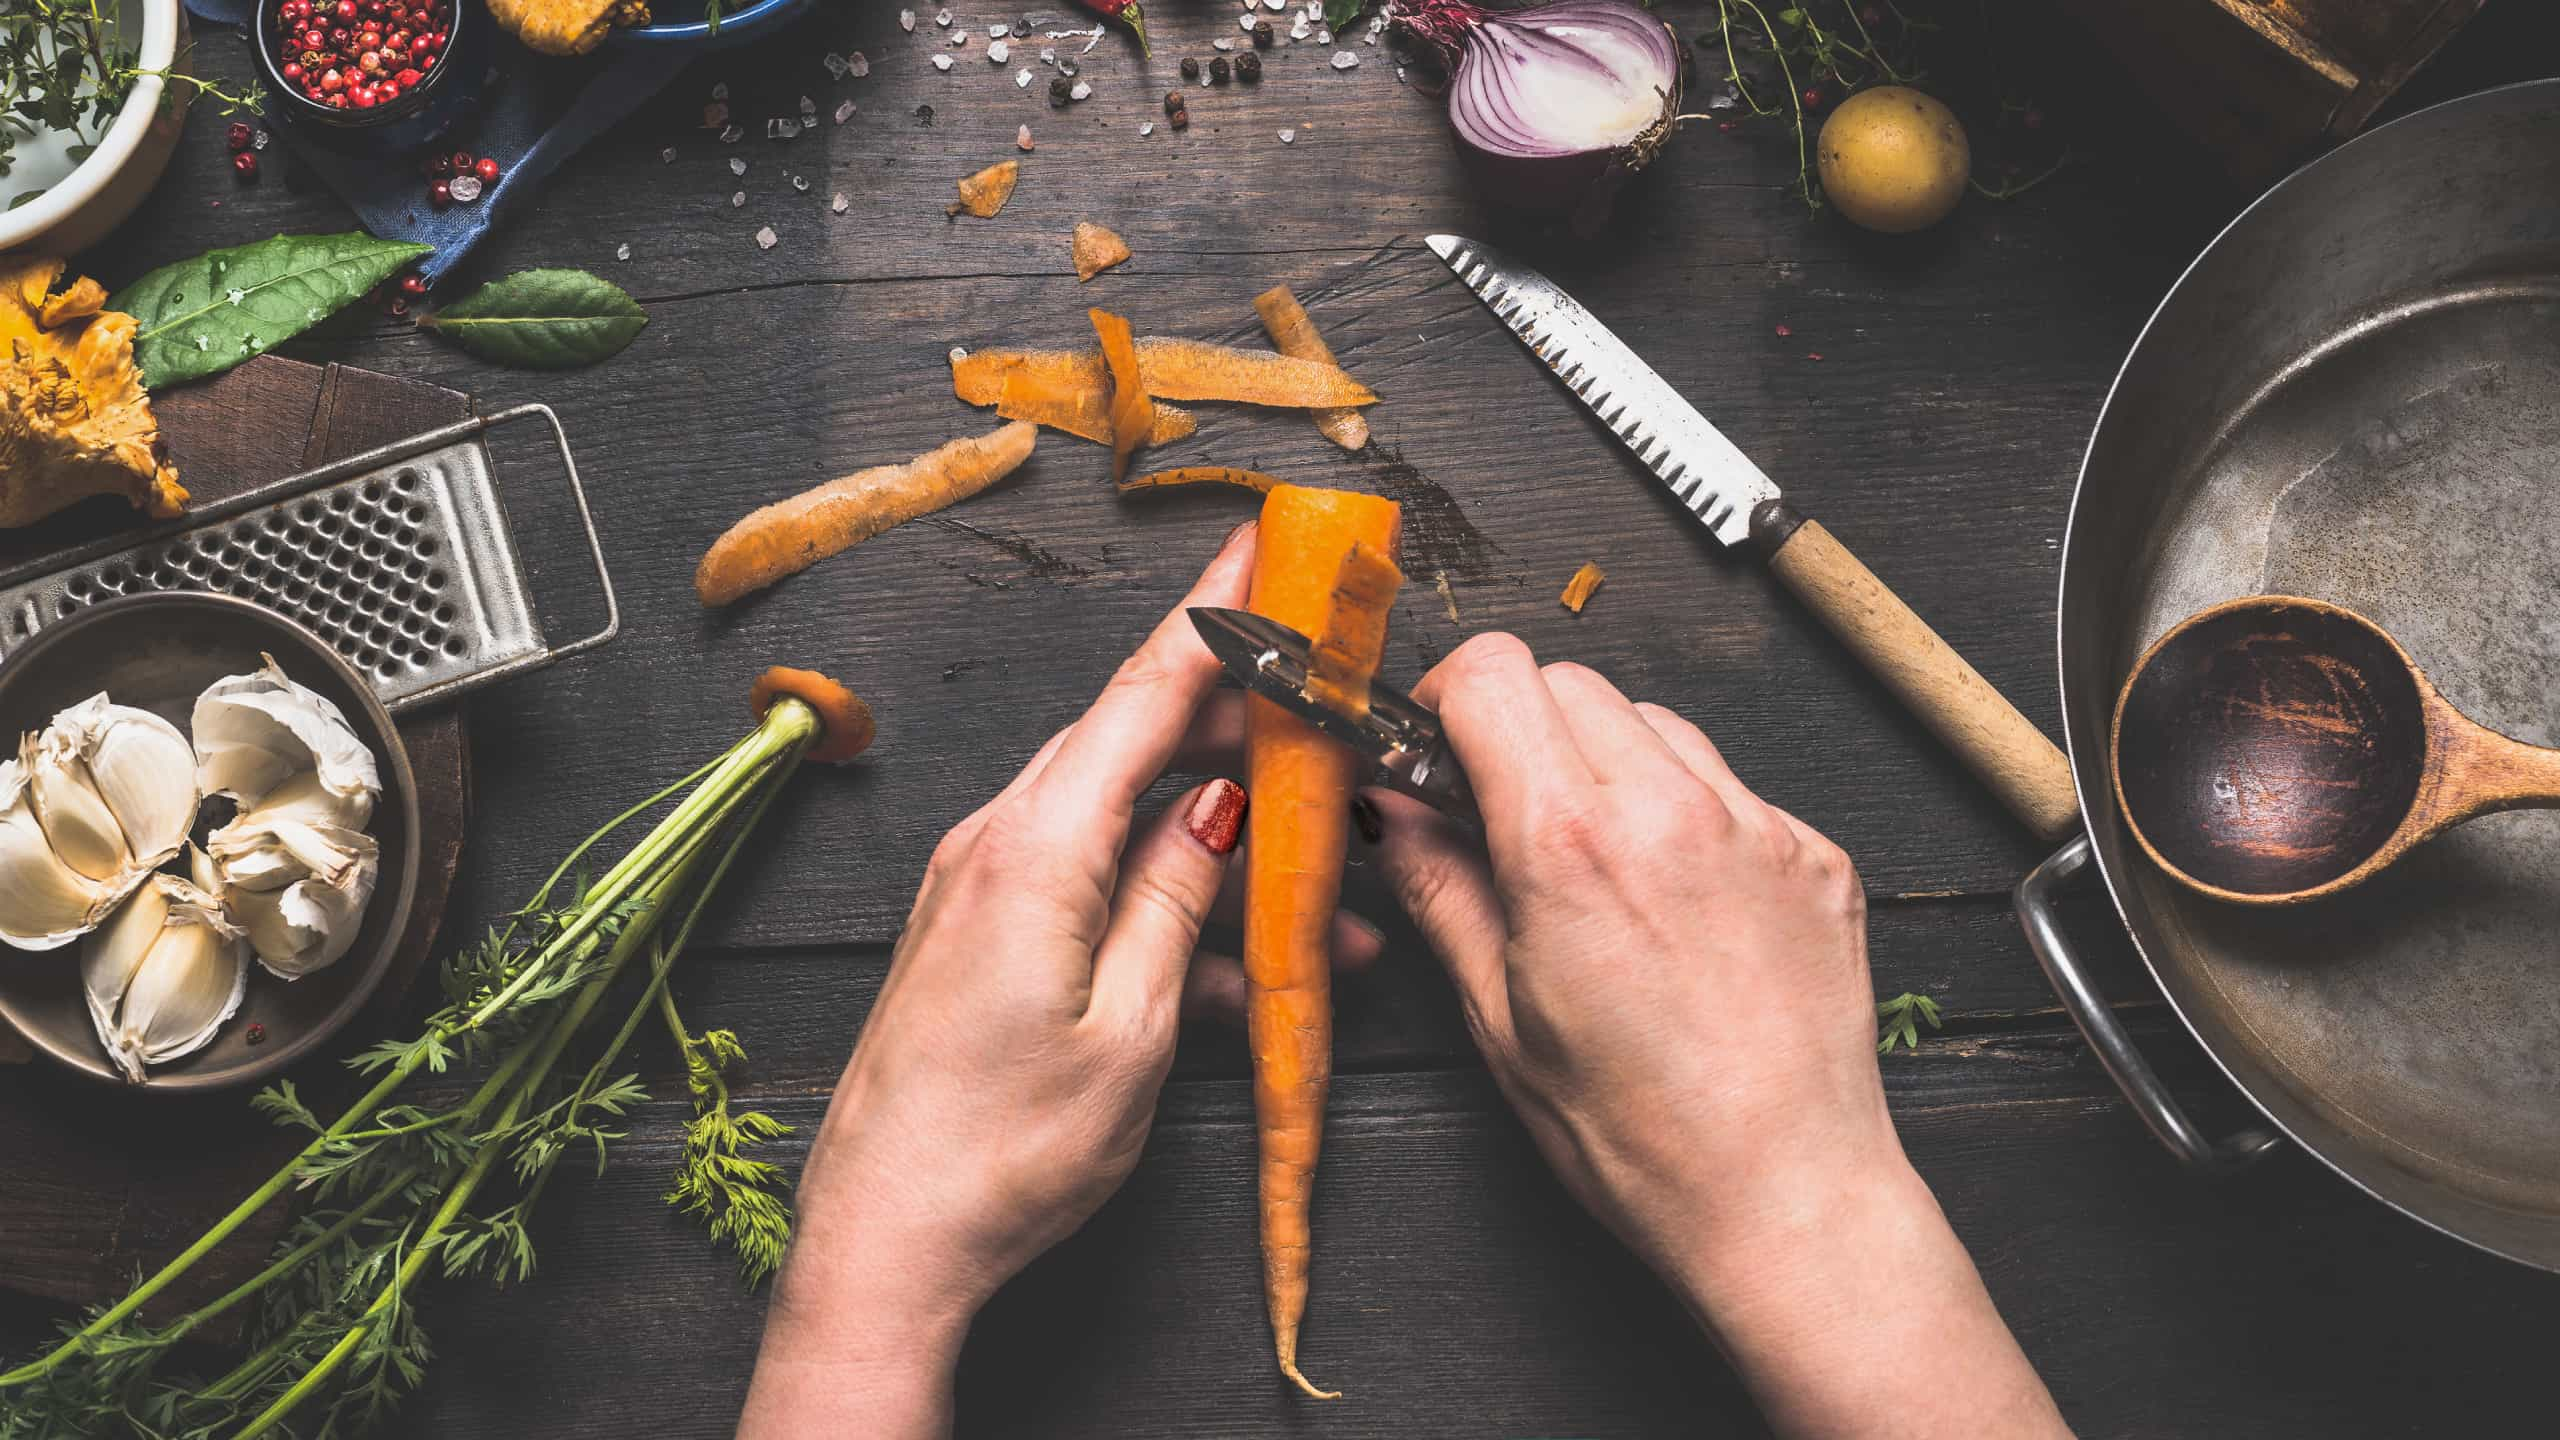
[{"x": 535, "y": 113}]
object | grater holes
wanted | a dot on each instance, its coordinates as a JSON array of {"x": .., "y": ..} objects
[{"x": 406, "y": 482}]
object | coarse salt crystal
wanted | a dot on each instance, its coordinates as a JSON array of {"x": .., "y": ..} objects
[
  {"x": 941, "y": 62},
  {"x": 766, "y": 239},
  {"x": 959, "y": 38},
  {"x": 720, "y": 91},
  {"x": 1146, "y": 127},
  {"x": 1022, "y": 78},
  {"x": 943, "y": 19},
  {"x": 998, "y": 52},
  {"x": 732, "y": 135},
  {"x": 1288, "y": 137},
  {"x": 907, "y": 20},
  {"x": 1345, "y": 60},
  {"x": 738, "y": 201},
  {"x": 844, "y": 112},
  {"x": 1275, "y": 6},
  {"x": 997, "y": 32},
  {"x": 1324, "y": 36},
  {"x": 808, "y": 106},
  {"x": 667, "y": 156},
  {"x": 737, "y": 166},
  {"x": 1298, "y": 29},
  {"x": 1081, "y": 90},
  {"x": 837, "y": 65},
  {"x": 622, "y": 251},
  {"x": 839, "y": 204},
  {"x": 1246, "y": 22},
  {"x": 1048, "y": 55},
  {"x": 858, "y": 64},
  {"x": 465, "y": 188},
  {"x": 800, "y": 183},
  {"x": 1222, "y": 43},
  {"x": 781, "y": 128},
  {"x": 1022, "y": 137}
]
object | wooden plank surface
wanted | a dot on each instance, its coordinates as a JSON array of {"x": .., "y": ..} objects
[{"x": 1457, "y": 1292}]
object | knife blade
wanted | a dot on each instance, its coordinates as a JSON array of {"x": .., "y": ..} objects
[
  {"x": 1728, "y": 494},
  {"x": 1398, "y": 739},
  {"x": 1710, "y": 475}
]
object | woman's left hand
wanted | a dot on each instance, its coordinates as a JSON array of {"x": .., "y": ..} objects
[{"x": 1005, "y": 1080}]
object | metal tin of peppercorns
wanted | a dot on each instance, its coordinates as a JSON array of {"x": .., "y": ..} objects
[{"x": 446, "y": 94}]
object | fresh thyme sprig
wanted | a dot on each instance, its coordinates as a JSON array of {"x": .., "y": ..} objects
[
  {"x": 62, "y": 68},
  {"x": 413, "y": 1191},
  {"x": 1898, "y": 1021}
]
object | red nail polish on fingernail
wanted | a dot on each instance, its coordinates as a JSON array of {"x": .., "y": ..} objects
[{"x": 1217, "y": 817}]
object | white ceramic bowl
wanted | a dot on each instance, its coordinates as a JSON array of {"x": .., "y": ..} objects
[{"x": 104, "y": 189}]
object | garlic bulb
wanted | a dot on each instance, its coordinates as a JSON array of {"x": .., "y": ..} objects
[
  {"x": 163, "y": 974},
  {"x": 94, "y": 802},
  {"x": 254, "y": 732},
  {"x": 297, "y": 885}
]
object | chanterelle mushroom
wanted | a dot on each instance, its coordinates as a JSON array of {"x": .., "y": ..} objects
[
  {"x": 74, "y": 420},
  {"x": 566, "y": 27}
]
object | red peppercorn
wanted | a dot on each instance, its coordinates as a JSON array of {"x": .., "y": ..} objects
[
  {"x": 487, "y": 170},
  {"x": 245, "y": 164},
  {"x": 461, "y": 161},
  {"x": 399, "y": 305},
  {"x": 333, "y": 82},
  {"x": 256, "y": 1034},
  {"x": 292, "y": 70},
  {"x": 315, "y": 39},
  {"x": 238, "y": 135},
  {"x": 408, "y": 79},
  {"x": 1812, "y": 98},
  {"x": 413, "y": 283},
  {"x": 344, "y": 9},
  {"x": 436, "y": 166},
  {"x": 441, "y": 194},
  {"x": 364, "y": 99}
]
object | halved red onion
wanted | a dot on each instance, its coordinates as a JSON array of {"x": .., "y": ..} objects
[{"x": 1554, "y": 105}]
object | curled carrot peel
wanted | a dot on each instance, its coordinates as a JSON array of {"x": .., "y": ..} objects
[
  {"x": 1355, "y": 634},
  {"x": 1253, "y": 480},
  {"x": 1579, "y": 589},
  {"x": 1168, "y": 369},
  {"x": 1286, "y": 321},
  {"x": 846, "y": 721},
  {"x": 1095, "y": 249},
  {"x": 1085, "y": 414},
  {"x": 1132, "y": 413},
  {"x": 791, "y": 535},
  {"x": 1298, "y": 828}
]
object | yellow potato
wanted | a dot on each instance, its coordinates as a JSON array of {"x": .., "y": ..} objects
[{"x": 1893, "y": 159}]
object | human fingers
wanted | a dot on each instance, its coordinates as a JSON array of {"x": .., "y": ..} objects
[
  {"x": 1698, "y": 753},
  {"x": 1123, "y": 742},
  {"x": 1439, "y": 874},
  {"x": 1504, "y": 725},
  {"x": 1619, "y": 744},
  {"x": 1214, "y": 987},
  {"x": 1168, "y": 881}
]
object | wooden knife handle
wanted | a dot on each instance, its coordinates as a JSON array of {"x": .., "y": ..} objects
[{"x": 2003, "y": 747}]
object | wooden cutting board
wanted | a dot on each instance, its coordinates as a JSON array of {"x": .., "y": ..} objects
[{"x": 99, "y": 1182}]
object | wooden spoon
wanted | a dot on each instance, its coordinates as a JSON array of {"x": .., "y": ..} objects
[{"x": 2273, "y": 750}]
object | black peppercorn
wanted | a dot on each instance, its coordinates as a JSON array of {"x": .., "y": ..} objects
[
  {"x": 1173, "y": 102},
  {"x": 1262, "y": 36},
  {"x": 1190, "y": 68},
  {"x": 1060, "y": 92},
  {"x": 1181, "y": 120},
  {"x": 1249, "y": 67},
  {"x": 1218, "y": 71}
]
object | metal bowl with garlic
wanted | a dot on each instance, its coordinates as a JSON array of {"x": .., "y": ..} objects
[{"x": 208, "y": 835}]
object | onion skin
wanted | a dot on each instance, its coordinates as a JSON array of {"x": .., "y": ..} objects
[{"x": 1491, "y": 53}]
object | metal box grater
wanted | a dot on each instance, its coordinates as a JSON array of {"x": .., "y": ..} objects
[{"x": 400, "y": 558}]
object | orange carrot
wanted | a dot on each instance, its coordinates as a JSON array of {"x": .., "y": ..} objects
[
  {"x": 791, "y": 535},
  {"x": 1346, "y": 654},
  {"x": 1301, "y": 784},
  {"x": 847, "y": 721},
  {"x": 1253, "y": 480},
  {"x": 1579, "y": 589},
  {"x": 1132, "y": 413},
  {"x": 1085, "y": 414},
  {"x": 1168, "y": 369},
  {"x": 1295, "y": 334}
]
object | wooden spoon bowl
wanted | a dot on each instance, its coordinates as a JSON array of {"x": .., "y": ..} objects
[{"x": 2273, "y": 749}]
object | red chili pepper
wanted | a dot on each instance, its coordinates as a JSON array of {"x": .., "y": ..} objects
[{"x": 1124, "y": 11}]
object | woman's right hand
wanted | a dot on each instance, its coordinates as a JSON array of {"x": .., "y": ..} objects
[{"x": 1668, "y": 979}]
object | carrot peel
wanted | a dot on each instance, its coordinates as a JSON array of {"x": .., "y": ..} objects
[
  {"x": 1294, "y": 334},
  {"x": 984, "y": 193},
  {"x": 1169, "y": 368},
  {"x": 1579, "y": 590},
  {"x": 1355, "y": 635},
  {"x": 846, "y": 725},
  {"x": 1299, "y": 828},
  {"x": 1022, "y": 395},
  {"x": 1253, "y": 480},
  {"x": 1132, "y": 413}
]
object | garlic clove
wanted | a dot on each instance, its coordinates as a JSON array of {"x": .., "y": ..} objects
[
  {"x": 145, "y": 771},
  {"x": 44, "y": 903},
  {"x": 163, "y": 975},
  {"x": 259, "y": 852},
  {"x": 310, "y": 923},
  {"x": 253, "y": 732},
  {"x": 303, "y": 799},
  {"x": 75, "y": 817}
]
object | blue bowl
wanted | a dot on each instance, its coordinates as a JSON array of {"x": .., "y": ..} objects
[{"x": 738, "y": 26}]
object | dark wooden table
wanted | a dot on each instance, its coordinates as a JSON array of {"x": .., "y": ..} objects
[{"x": 1927, "y": 396}]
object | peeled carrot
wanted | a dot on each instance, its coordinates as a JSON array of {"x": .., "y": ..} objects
[
  {"x": 1169, "y": 368},
  {"x": 789, "y": 536},
  {"x": 1298, "y": 828},
  {"x": 1253, "y": 480},
  {"x": 1295, "y": 334},
  {"x": 1132, "y": 413}
]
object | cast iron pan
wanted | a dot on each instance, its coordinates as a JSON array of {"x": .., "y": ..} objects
[{"x": 157, "y": 652}]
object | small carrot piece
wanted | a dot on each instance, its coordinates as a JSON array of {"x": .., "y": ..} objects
[
  {"x": 1346, "y": 654},
  {"x": 847, "y": 721},
  {"x": 790, "y": 535},
  {"x": 1293, "y": 333},
  {"x": 984, "y": 193},
  {"x": 1095, "y": 249},
  {"x": 1168, "y": 369},
  {"x": 1299, "y": 827},
  {"x": 1132, "y": 413},
  {"x": 1253, "y": 480},
  {"x": 1578, "y": 590},
  {"x": 1084, "y": 414}
]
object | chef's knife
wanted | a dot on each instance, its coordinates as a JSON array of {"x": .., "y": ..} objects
[
  {"x": 1728, "y": 494},
  {"x": 1399, "y": 739}
]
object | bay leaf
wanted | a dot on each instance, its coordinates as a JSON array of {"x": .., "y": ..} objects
[
  {"x": 542, "y": 320},
  {"x": 202, "y": 316}
]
